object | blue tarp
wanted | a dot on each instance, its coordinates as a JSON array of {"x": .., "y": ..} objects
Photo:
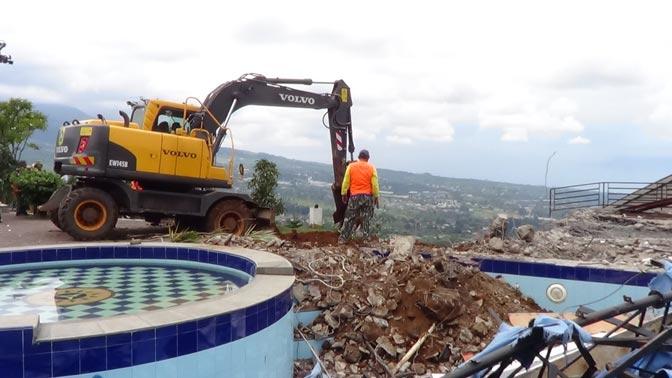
[
  {"x": 555, "y": 330},
  {"x": 662, "y": 283},
  {"x": 656, "y": 362}
]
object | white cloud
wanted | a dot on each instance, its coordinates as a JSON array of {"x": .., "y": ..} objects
[
  {"x": 525, "y": 75},
  {"x": 579, "y": 140},
  {"x": 396, "y": 139},
  {"x": 520, "y": 120},
  {"x": 514, "y": 134}
]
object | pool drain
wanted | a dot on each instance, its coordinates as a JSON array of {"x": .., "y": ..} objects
[{"x": 556, "y": 293}]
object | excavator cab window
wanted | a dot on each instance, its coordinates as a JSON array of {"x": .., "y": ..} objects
[
  {"x": 173, "y": 117},
  {"x": 138, "y": 115}
]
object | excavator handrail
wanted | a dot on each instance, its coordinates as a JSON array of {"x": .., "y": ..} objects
[{"x": 226, "y": 129}]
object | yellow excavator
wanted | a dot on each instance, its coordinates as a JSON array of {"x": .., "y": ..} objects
[{"x": 161, "y": 161}]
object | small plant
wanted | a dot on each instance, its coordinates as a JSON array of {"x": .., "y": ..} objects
[
  {"x": 185, "y": 236},
  {"x": 262, "y": 236},
  {"x": 263, "y": 184},
  {"x": 35, "y": 186},
  {"x": 294, "y": 223}
]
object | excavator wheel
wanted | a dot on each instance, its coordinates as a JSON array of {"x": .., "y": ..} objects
[
  {"x": 88, "y": 214},
  {"x": 53, "y": 216},
  {"x": 231, "y": 216}
]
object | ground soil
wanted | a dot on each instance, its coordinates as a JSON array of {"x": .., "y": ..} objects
[
  {"x": 314, "y": 238},
  {"x": 34, "y": 230}
]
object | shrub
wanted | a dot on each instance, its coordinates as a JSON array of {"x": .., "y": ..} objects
[{"x": 35, "y": 186}]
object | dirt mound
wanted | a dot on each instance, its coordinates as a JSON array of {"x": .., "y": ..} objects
[
  {"x": 371, "y": 302},
  {"x": 313, "y": 238},
  {"x": 379, "y": 297}
]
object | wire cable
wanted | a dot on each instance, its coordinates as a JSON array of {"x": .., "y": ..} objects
[{"x": 606, "y": 296}]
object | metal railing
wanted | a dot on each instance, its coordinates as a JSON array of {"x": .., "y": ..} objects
[{"x": 622, "y": 195}]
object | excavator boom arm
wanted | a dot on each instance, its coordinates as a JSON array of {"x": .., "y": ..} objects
[{"x": 259, "y": 90}]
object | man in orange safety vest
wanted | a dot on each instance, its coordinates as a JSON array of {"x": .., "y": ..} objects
[{"x": 361, "y": 180}]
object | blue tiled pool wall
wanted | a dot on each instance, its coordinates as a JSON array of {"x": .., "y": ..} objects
[
  {"x": 596, "y": 295},
  {"x": 595, "y": 287},
  {"x": 20, "y": 357},
  {"x": 128, "y": 252},
  {"x": 265, "y": 354},
  {"x": 576, "y": 273}
]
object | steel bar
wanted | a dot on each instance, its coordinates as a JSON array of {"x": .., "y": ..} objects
[
  {"x": 634, "y": 356},
  {"x": 536, "y": 343},
  {"x": 611, "y": 332}
]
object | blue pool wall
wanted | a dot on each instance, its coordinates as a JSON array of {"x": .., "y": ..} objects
[
  {"x": 257, "y": 340},
  {"x": 595, "y": 287}
]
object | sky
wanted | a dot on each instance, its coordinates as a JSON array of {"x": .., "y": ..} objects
[{"x": 473, "y": 89}]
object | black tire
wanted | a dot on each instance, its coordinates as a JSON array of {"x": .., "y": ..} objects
[
  {"x": 53, "y": 216},
  {"x": 231, "y": 216},
  {"x": 88, "y": 214}
]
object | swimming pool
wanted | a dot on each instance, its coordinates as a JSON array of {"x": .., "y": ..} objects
[
  {"x": 89, "y": 288},
  {"x": 149, "y": 310}
]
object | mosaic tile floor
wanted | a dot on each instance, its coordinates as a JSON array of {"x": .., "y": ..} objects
[{"x": 83, "y": 292}]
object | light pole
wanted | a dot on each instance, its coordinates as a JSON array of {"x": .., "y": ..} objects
[{"x": 548, "y": 163}]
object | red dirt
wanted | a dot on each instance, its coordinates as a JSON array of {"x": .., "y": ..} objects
[{"x": 315, "y": 238}]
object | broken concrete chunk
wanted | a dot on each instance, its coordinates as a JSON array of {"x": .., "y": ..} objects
[
  {"x": 526, "y": 233},
  {"x": 398, "y": 339},
  {"x": 402, "y": 246},
  {"x": 345, "y": 312},
  {"x": 340, "y": 366},
  {"x": 380, "y": 311},
  {"x": 385, "y": 344},
  {"x": 320, "y": 330},
  {"x": 380, "y": 322},
  {"x": 465, "y": 335},
  {"x": 410, "y": 288},
  {"x": 481, "y": 326},
  {"x": 352, "y": 354},
  {"x": 300, "y": 292},
  {"x": 329, "y": 319},
  {"x": 498, "y": 226},
  {"x": 333, "y": 298},
  {"x": 315, "y": 292},
  {"x": 419, "y": 368},
  {"x": 496, "y": 244},
  {"x": 374, "y": 298}
]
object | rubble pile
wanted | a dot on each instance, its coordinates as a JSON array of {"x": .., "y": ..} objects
[
  {"x": 379, "y": 299},
  {"x": 589, "y": 236}
]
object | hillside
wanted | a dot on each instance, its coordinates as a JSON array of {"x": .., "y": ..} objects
[
  {"x": 437, "y": 208},
  {"x": 56, "y": 115}
]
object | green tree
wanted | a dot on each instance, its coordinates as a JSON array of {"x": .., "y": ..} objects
[
  {"x": 18, "y": 121},
  {"x": 263, "y": 184},
  {"x": 7, "y": 166}
]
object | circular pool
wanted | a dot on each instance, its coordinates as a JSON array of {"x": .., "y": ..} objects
[
  {"x": 89, "y": 289},
  {"x": 150, "y": 310}
]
